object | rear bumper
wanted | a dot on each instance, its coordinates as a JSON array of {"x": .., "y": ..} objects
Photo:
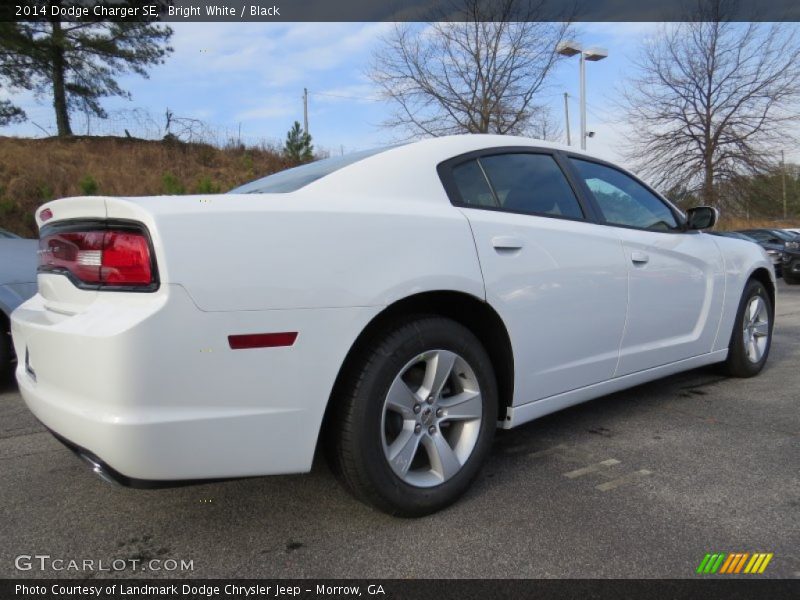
[{"x": 148, "y": 386}]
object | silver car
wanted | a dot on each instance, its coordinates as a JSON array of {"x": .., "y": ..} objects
[{"x": 17, "y": 284}]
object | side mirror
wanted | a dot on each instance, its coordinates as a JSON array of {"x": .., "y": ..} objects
[{"x": 701, "y": 217}]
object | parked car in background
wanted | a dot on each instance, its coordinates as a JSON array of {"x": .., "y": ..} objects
[
  {"x": 795, "y": 232},
  {"x": 774, "y": 250},
  {"x": 790, "y": 266},
  {"x": 394, "y": 307},
  {"x": 17, "y": 284}
]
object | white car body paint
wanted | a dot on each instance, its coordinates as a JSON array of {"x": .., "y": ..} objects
[{"x": 148, "y": 383}]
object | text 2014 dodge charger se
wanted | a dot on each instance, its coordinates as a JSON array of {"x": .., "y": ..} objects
[{"x": 396, "y": 305}]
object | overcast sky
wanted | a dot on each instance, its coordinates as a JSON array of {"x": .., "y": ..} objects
[{"x": 253, "y": 74}]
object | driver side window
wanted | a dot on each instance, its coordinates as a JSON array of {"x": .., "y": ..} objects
[{"x": 624, "y": 201}]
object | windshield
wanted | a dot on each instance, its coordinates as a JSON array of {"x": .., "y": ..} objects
[
  {"x": 292, "y": 180},
  {"x": 786, "y": 237}
]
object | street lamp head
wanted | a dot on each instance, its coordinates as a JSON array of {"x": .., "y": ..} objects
[
  {"x": 569, "y": 48},
  {"x": 595, "y": 54}
]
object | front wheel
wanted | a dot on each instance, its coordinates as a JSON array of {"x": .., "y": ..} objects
[
  {"x": 416, "y": 418},
  {"x": 752, "y": 332}
]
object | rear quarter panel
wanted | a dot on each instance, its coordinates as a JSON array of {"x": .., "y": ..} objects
[{"x": 263, "y": 252}]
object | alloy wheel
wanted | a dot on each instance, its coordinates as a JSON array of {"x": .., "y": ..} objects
[{"x": 431, "y": 418}]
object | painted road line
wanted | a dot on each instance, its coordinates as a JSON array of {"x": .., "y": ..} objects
[
  {"x": 548, "y": 451},
  {"x": 615, "y": 483},
  {"x": 591, "y": 468}
]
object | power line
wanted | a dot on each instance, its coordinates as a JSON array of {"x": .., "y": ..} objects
[{"x": 345, "y": 97}]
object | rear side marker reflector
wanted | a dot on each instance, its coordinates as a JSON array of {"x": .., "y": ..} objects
[
  {"x": 46, "y": 215},
  {"x": 262, "y": 340}
]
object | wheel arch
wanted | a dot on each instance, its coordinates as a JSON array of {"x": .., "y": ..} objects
[
  {"x": 762, "y": 275},
  {"x": 471, "y": 312}
]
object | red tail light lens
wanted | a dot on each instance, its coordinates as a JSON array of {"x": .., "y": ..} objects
[{"x": 104, "y": 258}]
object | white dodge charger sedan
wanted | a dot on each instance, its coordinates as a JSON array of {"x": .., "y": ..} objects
[{"x": 393, "y": 306}]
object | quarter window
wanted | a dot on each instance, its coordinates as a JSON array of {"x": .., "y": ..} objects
[
  {"x": 524, "y": 183},
  {"x": 472, "y": 185},
  {"x": 624, "y": 201}
]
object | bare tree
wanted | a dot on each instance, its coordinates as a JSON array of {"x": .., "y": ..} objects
[
  {"x": 475, "y": 70},
  {"x": 712, "y": 100}
]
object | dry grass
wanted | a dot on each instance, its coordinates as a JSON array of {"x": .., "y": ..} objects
[
  {"x": 733, "y": 223},
  {"x": 33, "y": 171}
]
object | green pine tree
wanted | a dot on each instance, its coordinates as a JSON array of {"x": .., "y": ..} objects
[
  {"x": 298, "y": 147},
  {"x": 77, "y": 63}
]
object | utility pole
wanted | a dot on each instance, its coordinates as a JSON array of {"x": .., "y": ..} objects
[
  {"x": 783, "y": 184},
  {"x": 305, "y": 110},
  {"x": 566, "y": 117}
]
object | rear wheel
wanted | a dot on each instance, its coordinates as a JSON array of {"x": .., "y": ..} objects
[
  {"x": 791, "y": 278},
  {"x": 752, "y": 332},
  {"x": 416, "y": 418}
]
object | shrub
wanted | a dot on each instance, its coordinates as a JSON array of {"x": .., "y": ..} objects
[
  {"x": 88, "y": 186},
  {"x": 172, "y": 185},
  {"x": 206, "y": 186}
]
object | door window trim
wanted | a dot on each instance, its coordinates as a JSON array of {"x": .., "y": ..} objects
[{"x": 445, "y": 171}]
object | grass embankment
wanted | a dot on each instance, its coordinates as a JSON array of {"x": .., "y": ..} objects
[{"x": 33, "y": 171}]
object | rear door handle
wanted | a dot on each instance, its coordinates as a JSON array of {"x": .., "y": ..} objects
[
  {"x": 639, "y": 258},
  {"x": 507, "y": 242}
]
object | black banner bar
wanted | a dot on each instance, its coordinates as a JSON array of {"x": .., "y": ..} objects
[
  {"x": 383, "y": 10},
  {"x": 393, "y": 589}
]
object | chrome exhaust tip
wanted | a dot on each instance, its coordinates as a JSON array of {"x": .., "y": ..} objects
[{"x": 99, "y": 470}]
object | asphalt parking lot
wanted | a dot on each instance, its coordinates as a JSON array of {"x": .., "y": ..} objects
[{"x": 641, "y": 483}]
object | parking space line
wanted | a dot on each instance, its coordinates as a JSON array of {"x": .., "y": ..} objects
[
  {"x": 591, "y": 468},
  {"x": 547, "y": 451},
  {"x": 615, "y": 483}
]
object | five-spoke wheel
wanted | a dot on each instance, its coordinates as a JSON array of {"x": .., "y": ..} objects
[
  {"x": 431, "y": 418},
  {"x": 415, "y": 417}
]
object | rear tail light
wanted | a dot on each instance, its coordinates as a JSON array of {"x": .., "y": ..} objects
[{"x": 99, "y": 258}]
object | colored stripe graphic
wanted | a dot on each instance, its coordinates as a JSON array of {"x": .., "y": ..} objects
[
  {"x": 727, "y": 565},
  {"x": 711, "y": 562},
  {"x": 734, "y": 563},
  {"x": 703, "y": 563}
]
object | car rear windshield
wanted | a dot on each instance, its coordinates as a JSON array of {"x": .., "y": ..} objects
[{"x": 292, "y": 180}]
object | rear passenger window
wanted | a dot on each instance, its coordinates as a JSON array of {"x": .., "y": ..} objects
[{"x": 531, "y": 183}]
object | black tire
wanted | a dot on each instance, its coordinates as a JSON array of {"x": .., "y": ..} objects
[
  {"x": 6, "y": 351},
  {"x": 738, "y": 364},
  {"x": 790, "y": 278},
  {"x": 356, "y": 430}
]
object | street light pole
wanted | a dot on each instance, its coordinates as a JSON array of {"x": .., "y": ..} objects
[
  {"x": 583, "y": 101},
  {"x": 569, "y": 48},
  {"x": 566, "y": 117}
]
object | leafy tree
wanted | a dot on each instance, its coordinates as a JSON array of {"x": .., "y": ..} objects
[
  {"x": 77, "y": 62},
  {"x": 298, "y": 147}
]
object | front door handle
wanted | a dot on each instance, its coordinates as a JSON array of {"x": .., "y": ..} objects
[
  {"x": 639, "y": 258},
  {"x": 507, "y": 242}
]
